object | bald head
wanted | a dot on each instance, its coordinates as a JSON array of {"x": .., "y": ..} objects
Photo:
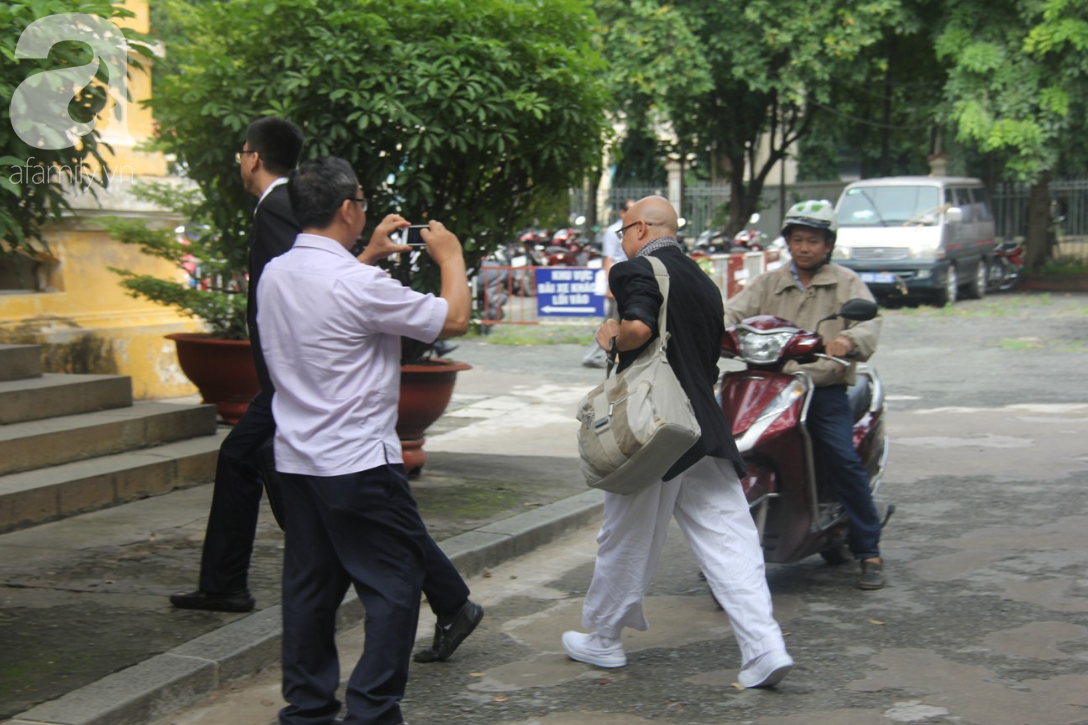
[{"x": 660, "y": 219}]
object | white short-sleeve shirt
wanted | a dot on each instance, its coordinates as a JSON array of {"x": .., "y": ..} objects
[
  {"x": 611, "y": 246},
  {"x": 330, "y": 332}
]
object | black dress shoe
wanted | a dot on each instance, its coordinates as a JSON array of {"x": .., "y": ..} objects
[
  {"x": 448, "y": 636},
  {"x": 240, "y": 601}
]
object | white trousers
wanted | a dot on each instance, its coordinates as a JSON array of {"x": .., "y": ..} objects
[{"x": 709, "y": 505}]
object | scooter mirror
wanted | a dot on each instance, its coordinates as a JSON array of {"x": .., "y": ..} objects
[{"x": 858, "y": 310}]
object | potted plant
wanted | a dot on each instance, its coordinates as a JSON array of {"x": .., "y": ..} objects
[
  {"x": 210, "y": 286},
  {"x": 426, "y": 387}
]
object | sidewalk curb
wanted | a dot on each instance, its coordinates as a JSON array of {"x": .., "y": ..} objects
[{"x": 166, "y": 683}]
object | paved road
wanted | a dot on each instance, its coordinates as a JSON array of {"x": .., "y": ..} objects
[{"x": 985, "y": 621}]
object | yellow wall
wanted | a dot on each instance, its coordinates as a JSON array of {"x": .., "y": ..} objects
[{"x": 83, "y": 317}]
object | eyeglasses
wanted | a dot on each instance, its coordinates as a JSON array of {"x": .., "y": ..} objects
[
  {"x": 238, "y": 156},
  {"x": 621, "y": 230},
  {"x": 363, "y": 202}
]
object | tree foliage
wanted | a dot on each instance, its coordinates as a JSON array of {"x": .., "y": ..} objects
[
  {"x": 33, "y": 180},
  {"x": 1017, "y": 73},
  {"x": 885, "y": 120},
  {"x": 739, "y": 82},
  {"x": 996, "y": 91},
  {"x": 208, "y": 286},
  {"x": 473, "y": 112}
]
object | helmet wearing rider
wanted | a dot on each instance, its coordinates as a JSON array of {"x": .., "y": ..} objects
[{"x": 813, "y": 214}]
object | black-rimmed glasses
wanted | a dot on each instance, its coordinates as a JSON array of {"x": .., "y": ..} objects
[
  {"x": 621, "y": 230},
  {"x": 238, "y": 155}
]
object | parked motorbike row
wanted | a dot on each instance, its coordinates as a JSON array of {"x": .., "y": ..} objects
[
  {"x": 565, "y": 247},
  {"x": 746, "y": 240}
]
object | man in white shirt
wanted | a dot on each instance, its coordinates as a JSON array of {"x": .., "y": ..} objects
[
  {"x": 330, "y": 331},
  {"x": 611, "y": 253}
]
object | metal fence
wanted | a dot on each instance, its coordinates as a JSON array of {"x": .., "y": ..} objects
[
  {"x": 701, "y": 204},
  {"x": 1069, "y": 210},
  {"x": 510, "y": 295},
  {"x": 704, "y": 206}
]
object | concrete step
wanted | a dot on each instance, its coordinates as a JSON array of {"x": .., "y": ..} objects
[
  {"x": 35, "y": 497},
  {"x": 20, "y": 361},
  {"x": 51, "y": 442},
  {"x": 53, "y": 396}
]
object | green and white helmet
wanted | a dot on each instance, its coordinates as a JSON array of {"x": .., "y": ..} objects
[{"x": 814, "y": 213}]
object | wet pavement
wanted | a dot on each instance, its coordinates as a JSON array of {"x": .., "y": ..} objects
[
  {"x": 87, "y": 596},
  {"x": 986, "y": 620}
]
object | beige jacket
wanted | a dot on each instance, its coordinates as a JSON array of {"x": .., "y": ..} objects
[{"x": 776, "y": 293}]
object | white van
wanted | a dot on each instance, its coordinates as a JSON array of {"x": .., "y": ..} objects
[{"x": 917, "y": 236}]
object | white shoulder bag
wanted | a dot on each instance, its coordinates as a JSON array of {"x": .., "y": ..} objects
[{"x": 637, "y": 424}]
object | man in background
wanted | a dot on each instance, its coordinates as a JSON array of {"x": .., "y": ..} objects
[
  {"x": 611, "y": 253},
  {"x": 271, "y": 151}
]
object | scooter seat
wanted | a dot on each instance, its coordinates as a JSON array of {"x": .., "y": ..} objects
[{"x": 860, "y": 396}]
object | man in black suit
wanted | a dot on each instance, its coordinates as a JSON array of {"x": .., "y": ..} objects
[
  {"x": 701, "y": 489},
  {"x": 271, "y": 151}
]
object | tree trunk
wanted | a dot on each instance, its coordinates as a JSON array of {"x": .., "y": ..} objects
[
  {"x": 593, "y": 185},
  {"x": 738, "y": 198},
  {"x": 886, "y": 131},
  {"x": 1035, "y": 246}
]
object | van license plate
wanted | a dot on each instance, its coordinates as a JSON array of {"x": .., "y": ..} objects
[{"x": 877, "y": 277}]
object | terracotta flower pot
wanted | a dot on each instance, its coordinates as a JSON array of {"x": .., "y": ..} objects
[
  {"x": 222, "y": 370},
  {"x": 425, "y": 391}
]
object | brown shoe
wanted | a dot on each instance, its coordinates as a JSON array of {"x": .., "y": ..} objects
[{"x": 872, "y": 575}]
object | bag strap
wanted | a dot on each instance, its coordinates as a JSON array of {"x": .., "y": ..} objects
[{"x": 662, "y": 276}]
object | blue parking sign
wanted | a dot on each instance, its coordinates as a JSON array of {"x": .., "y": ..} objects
[{"x": 569, "y": 292}]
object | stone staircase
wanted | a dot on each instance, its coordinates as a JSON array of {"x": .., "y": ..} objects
[{"x": 76, "y": 443}]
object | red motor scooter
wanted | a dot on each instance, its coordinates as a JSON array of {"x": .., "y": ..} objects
[
  {"x": 790, "y": 496},
  {"x": 1007, "y": 271}
]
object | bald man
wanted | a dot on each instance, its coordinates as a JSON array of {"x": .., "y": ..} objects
[{"x": 702, "y": 489}]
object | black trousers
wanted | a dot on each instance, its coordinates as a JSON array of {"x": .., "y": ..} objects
[
  {"x": 236, "y": 502},
  {"x": 360, "y": 529}
]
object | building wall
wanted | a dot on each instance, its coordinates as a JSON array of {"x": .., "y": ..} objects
[{"x": 74, "y": 306}]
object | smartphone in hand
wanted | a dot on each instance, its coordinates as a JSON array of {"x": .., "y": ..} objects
[{"x": 411, "y": 235}]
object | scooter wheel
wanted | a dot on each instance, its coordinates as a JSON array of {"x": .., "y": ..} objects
[{"x": 837, "y": 556}]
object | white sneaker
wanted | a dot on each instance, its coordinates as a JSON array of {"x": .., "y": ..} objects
[
  {"x": 766, "y": 670},
  {"x": 593, "y": 650}
]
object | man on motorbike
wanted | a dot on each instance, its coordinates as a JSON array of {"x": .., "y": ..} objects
[{"x": 805, "y": 292}]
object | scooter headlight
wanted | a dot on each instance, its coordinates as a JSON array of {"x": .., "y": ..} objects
[{"x": 762, "y": 348}]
